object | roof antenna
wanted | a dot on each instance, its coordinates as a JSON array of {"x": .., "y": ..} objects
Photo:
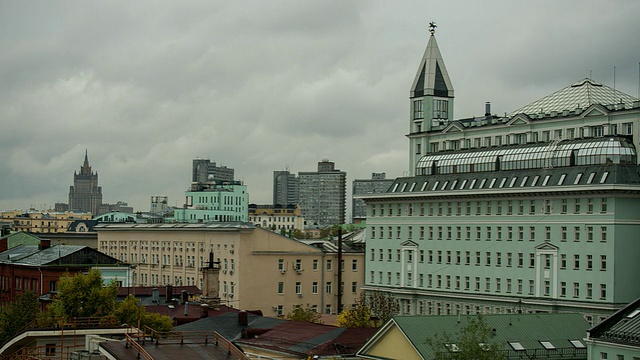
[
  {"x": 590, "y": 74},
  {"x": 458, "y": 316},
  {"x": 614, "y": 77}
]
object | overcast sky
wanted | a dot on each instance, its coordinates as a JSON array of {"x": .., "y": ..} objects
[{"x": 258, "y": 86}]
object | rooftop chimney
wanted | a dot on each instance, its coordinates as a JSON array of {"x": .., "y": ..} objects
[
  {"x": 44, "y": 244},
  {"x": 168, "y": 294}
]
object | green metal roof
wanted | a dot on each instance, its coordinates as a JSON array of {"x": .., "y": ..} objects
[
  {"x": 527, "y": 329},
  {"x": 580, "y": 95}
]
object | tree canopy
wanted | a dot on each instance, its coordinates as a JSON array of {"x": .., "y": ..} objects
[
  {"x": 472, "y": 342},
  {"x": 371, "y": 310},
  {"x": 15, "y": 316},
  {"x": 84, "y": 296},
  {"x": 305, "y": 314}
]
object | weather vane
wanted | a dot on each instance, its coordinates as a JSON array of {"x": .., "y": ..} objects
[{"x": 432, "y": 27}]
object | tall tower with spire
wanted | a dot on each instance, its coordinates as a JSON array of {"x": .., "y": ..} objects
[
  {"x": 85, "y": 195},
  {"x": 431, "y": 101}
]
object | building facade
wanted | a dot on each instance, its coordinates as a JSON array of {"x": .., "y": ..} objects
[
  {"x": 259, "y": 269},
  {"x": 532, "y": 212},
  {"x": 276, "y": 217},
  {"x": 618, "y": 337},
  {"x": 204, "y": 171},
  {"x": 37, "y": 268},
  {"x": 377, "y": 184},
  {"x": 286, "y": 188},
  {"x": 215, "y": 200},
  {"x": 42, "y": 222},
  {"x": 85, "y": 195},
  {"x": 323, "y": 195}
]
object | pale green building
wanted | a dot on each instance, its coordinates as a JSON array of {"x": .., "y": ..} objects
[
  {"x": 214, "y": 201},
  {"x": 536, "y": 211}
]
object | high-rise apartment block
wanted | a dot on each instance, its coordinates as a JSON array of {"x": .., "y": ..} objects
[
  {"x": 85, "y": 195},
  {"x": 286, "y": 188},
  {"x": 534, "y": 211},
  {"x": 323, "y": 195},
  {"x": 377, "y": 184},
  {"x": 204, "y": 171}
]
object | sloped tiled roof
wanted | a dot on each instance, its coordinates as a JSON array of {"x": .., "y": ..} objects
[
  {"x": 527, "y": 329},
  {"x": 579, "y": 95},
  {"x": 623, "y": 327}
]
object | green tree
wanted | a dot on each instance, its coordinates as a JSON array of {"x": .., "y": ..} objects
[
  {"x": 17, "y": 315},
  {"x": 84, "y": 296},
  {"x": 382, "y": 305},
  {"x": 472, "y": 341},
  {"x": 305, "y": 314},
  {"x": 129, "y": 311},
  {"x": 357, "y": 317}
]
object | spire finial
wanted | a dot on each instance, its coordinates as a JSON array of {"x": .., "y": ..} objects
[{"x": 432, "y": 27}]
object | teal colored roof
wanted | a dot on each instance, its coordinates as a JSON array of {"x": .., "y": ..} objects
[
  {"x": 527, "y": 329},
  {"x": 580, "y": 95}
]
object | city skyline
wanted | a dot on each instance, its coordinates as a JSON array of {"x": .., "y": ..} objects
[{"x": 146, "y": 89}]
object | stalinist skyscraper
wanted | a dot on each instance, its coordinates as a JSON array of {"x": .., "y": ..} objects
[{"x": 85, "y": 195}]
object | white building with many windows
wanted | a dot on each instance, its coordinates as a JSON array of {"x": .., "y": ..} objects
[{"x": 536, "y": 211}]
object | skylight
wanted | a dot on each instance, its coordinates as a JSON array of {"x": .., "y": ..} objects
[
  {"x": 562, "y": 179},
  {"x": 424, "y": 185},
  {"x": 464, "y": 182},
  {"x": 633, "y": 313},
  {"x": 577, "y": 344},
  {"x": 524, "y": 181},
  {"x": 452, "y": 347},
  {"x": 516, "y": 346},
  {"x": 535, "y": 180},
  {"x": 590, "y": 179},
  {"x": 578, "y": 177},
  {"x": 412, "y": 187},
  {"x": 604, "y": 177},
  {"x": 546, "y": 180},
  {"x": 435, "y": 186},
  {"x": 547, "y": 345}
]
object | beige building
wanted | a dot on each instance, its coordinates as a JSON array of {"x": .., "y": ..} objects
[
  {"x": 42, "y": 221},
  {"x": 276, "y": 217},
  {"x": 259, "y": 269}
]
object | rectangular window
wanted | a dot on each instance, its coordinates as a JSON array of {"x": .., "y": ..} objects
[
  {"x": 418, "y": 112},
  {"x": 280, "y": 288},
  {"x": 440, "y": 109},
  {"x": 314, "y": 287},
  {"x": 328, "y": 287}
]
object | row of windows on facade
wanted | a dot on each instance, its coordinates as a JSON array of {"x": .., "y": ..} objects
[
  {"x": 314, "y": 287},
  {"x": 297, "y": 265},
  {"x": 226, "y": 200},
  {"x": 440, "y": 110},
  {"x": 217, "y": 217},
  {"x": 165, "y": 280},
  {"x": 491, "y": 207},
  {"x": 23, "y": 283},
  {"x": 509, "y": 231},
  {"x": 527, "y": 137},
  {"x": 277, "y": 226},
  {"x": 448, "y": 282},
  {"x": 174, "y": 246},
  {"x": 285, "y": 219},
  {"x": 424, "y": 307},
  {"x": 448, "y": 257},
  {"x": 279, "y": 309},
  {"x": 605, "y": 356}
]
